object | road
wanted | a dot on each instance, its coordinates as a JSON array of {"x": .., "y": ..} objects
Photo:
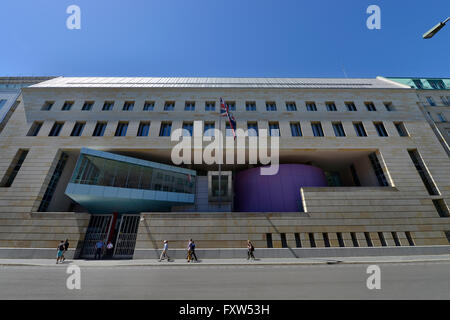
[{"x": 428, "y": 280}]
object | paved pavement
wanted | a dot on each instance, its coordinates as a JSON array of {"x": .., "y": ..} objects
[{"x": 424, "y": 278}]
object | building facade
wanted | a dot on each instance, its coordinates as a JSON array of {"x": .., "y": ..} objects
[
  {"x": 92, "y": 158},
  {"x": 434, "y": 100}
]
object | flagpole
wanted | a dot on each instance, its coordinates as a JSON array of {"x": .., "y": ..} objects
[{"x": 220, "y": 160}]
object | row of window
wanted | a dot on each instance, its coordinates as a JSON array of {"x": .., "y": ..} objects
[
  {"x": 166, "y": 129},
  {"x": 211, "y": 106},
  {"x": 435, "y": 84},
  {"x": 445, "y": 101}
]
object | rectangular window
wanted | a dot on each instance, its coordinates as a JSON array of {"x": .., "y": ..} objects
[
  {"x": 370, "y": 106},
  {"x": 311, "y": 106},
  {"x": 437, "y": 84},
  {"x": 290, "y": 106},
  {"x": 354, "y": 239},
  {"x": 87, "y": 106},
  {"x": 296, "y": 129},
  {"x": 121, "y": 130},
  {"x": 250, "y": 106},
  {"x": 317, "y": 129},
  {"x": 441, "y": 117},
  {"x": 423, "y": 172},
  {"x": 350, "y": 106},
  {"x": 67, "y": 105},
  {"x": 149, "y": 106},
  {"x": 338, "y": 129},
  {"x": 128, "y": 106},
  {"x": 274, "y": 129},
  {"x": 409, "y": 237},
  {"x": 382, "y": 181},
  {"x": 355, "y": 177},
  {"x": 359, "y": 128},
  {"x": 252, "y": 129},
  {"x": 326, "y": 240},
  {"x": 210, "y": 106},
  {"x": 56, "y": 129},
  {"x": 189, "y": 106},
  {"x": 165, "y": 130},
  {"x": 35, "y": 128},
  {"x": 382, "y": 240},
  {"x": 269, "y": 240},
  {"x": 189, "y": 126},
  {"x": 401, "y": 129},
  {"x": 441, "y": 208},
  {"x": 418, "y": 84},
  {"x": 47, "y": 105},
  {"x": 228, "y": 130},
  {"x": 430, "y": 101},
  {"x": 340, "y": 240},
  {"x": 389, "y": 106},
  {"x": 380, "y": 129},
  {"x": 99, "y": 129},
  {"x": 77, "y": 129},
  {"x": 231, "y": 105},
  {"x": 2, "y": 103},
  {"x": 50, "y": 191},
  {"x": 283, "y": 240},
  {"x": 209, "y": 129},
  {"x": 271, "y": 106},
  {"x": 169, "y": 106},
  {"x": 312, "y": 241},
  {"x": 368, "y": 239},
  {"x": 14, "y": 168},
  {"x": 331, "y": 106},
  {"x": 108, "y": 105},
  {"x": 396, "y": 240},
  {"x": 144, "y": 128},
  {"x": 446, "y": 100},
  {"x": 298, "y": 242}
]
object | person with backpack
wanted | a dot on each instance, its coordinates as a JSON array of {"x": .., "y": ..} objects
[
  {"x": 250, "y": 250},
  {"x": 193, "y": 255},
  {"x": 60, "y": 251}
]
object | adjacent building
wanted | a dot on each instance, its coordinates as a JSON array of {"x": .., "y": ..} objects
[{"x": 91, "y": 158}]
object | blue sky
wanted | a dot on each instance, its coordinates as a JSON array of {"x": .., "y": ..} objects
[{"x": 241, "y": 38}]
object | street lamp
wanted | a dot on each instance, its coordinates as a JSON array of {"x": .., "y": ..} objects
[{"x": 435, "y": 29}]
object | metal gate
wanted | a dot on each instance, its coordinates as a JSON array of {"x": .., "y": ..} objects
[
  {"x": 98, "y": 229},
  {"x": 126, "y": 236}
]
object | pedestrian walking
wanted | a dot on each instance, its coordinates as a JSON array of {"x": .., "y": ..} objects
[
  {"x": 250, "y": 250},
  {"x": 193, "y": 255},
  {"x": 66, "y": 247},
  {"x": 164, "y": 253},
  {"x": 189, "y": 251},
  {"x": 98, "y": 249},
  {"x": 60, "y": 251},
  {"x": 109, "y": 249}
]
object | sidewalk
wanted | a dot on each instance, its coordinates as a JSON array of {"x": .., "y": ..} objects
[{"x": 227, "y": 262}]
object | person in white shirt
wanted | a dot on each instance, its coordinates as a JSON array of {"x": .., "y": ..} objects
[
  {"x": 109, "y": 249},
  {"x": 164, "y": 252}
]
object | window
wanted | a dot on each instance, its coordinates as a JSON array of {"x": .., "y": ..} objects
[
  {"x": 2, "y": 103},
  {"x": 250, "y": 106},
  {"x": 269, "y": 240},
  {"x": 67, "y": 106},
  {"x": 409, "y": 237},
  {"x": 252, "y": 129},
  {"x": 143, "y": 130},
  {"x": 441, "y": 117},
  {"x": 311, "y": 106},
  {"x": 380, "y": 129},
  {"x": 87, "y": 106},
  {"x": 317, "y": 129},
  {"x": 274, "y": 129},
  {"x": 431, "y": 101},
  {"x": 290, "y": 106},
  {"x": 368, "y": 239},
  {"x": 338, "y": 129},
  {"x": 418, "y": 84},
  {"x": 379, "y": 173},
  {"x": 331, "y": 106},
  {"x": 56, "y": 129},
  {"x": 355, "y": 177},
  {"x": 128, "y": 106},
  {"x": 210, "y": 106},
  {"x": 77, "y": 129},
  {"x": 283, "y": 240},
  {"x": 296, "y": 129},
  {"x": 298, "y": 241},
  {"x": 231, "y": 105},
  {"x": 437, "y": 84},
  {"x": 340, "y": 239},
  {"x": 354, "y": 239},
  {"x": 48, "y": 195},
  {"x": 34, "y": 130},
  {"x": 14, "y": 168},
  {"x": 108, "y": 105},
  {"x": 149, "y": 106},
  {"x": 47, "y": 105},
  {"x": 389, "y": 106},
  {"x": 370, "y": 106},
  {"x": 99, "y": 129},
  {"x": 228, "y": 130},
  {"x": 441, "y": 208},
  {"x": 271, "y": 106},
  {"x": 189, "y": 106},
  {"x": 446, "y": 100},
  {"x": 326, "y": 240},
  {"x": 121, "y": 130},
  {"x": 359, "y": 128},
  {"x": 312, "y": 241},
  {"x": 382, "y": 240},
  {"x": 189, "y": 126},
  {"x": 350, "y": 106},
  {"x": 423, "y": 172},
  {"x": 401, "y": 129},
  {"x": 209, "y": 129},
  {"x": 165, "y": 130},
  {"x": 169, "y": 106}
]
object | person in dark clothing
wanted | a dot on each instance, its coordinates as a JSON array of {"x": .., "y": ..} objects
[
  {"x": 60, "y": 251},
  {"x": 66, "y": 247},
  {"x": 250, "y": 250},
  {"x": 193, "y": 255},
  {"x": 98, "y": 249}
]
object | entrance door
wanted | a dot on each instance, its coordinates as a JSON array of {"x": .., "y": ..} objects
[
  {"x": 126, "y": 236},
  {"x": 98, "y": 229}
]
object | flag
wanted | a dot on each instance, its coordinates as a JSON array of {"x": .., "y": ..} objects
[{"x": 225, "y": 111}]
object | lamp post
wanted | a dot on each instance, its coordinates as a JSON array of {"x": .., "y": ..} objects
[{"x": 435, "y": 29}]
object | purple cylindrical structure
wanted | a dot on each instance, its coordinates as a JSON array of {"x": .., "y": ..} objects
[{"x": 277, "y": 193}]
